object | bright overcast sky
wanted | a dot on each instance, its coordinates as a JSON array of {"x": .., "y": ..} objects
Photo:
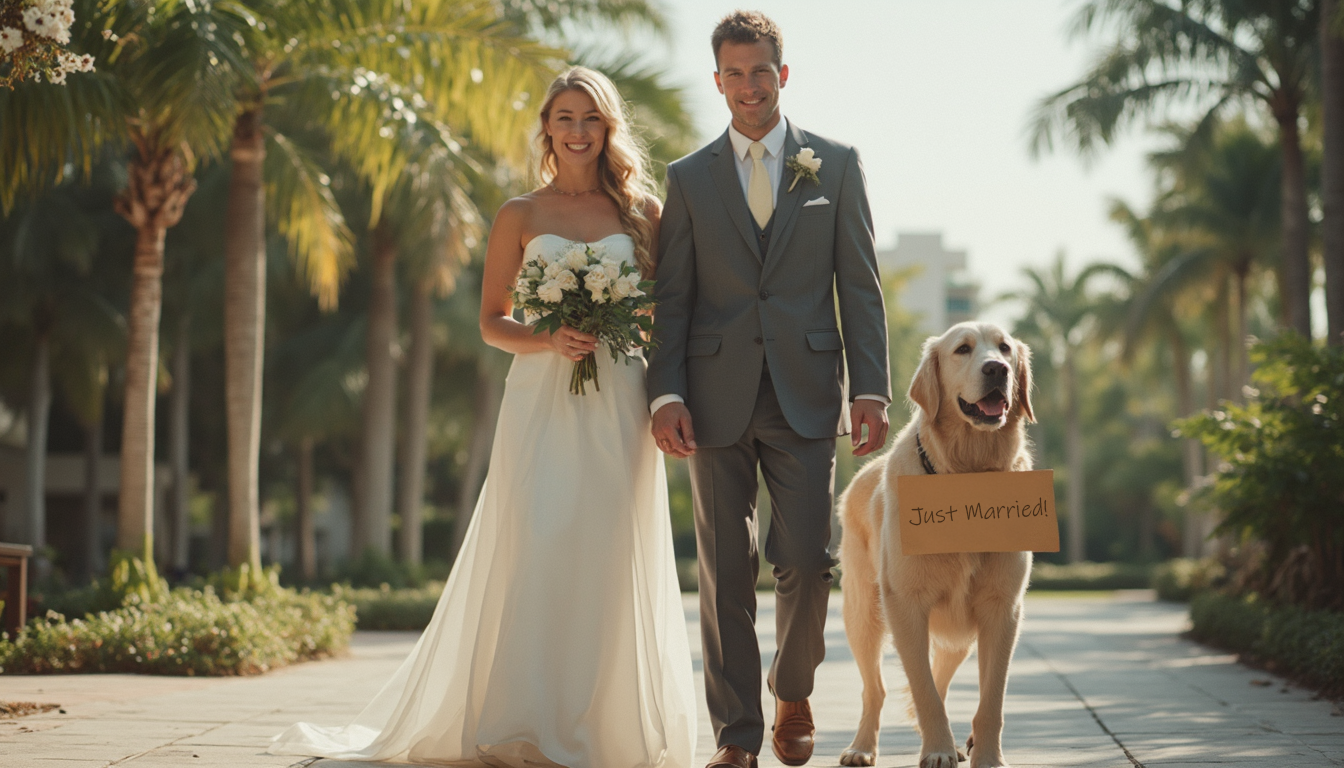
[{"x": 936, "y": 96}]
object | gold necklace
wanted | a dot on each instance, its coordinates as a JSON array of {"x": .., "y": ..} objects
[{"x": 560, "y": 191}]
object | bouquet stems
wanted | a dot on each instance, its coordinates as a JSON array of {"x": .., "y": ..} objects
[{"x": 585, "y": 370}]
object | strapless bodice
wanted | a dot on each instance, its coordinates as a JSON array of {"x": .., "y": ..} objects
[{"x": 620, "y": 246}]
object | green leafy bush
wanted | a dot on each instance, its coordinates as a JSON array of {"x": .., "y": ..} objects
[
  {"x": 1305, "y": 644},
  {"x": 1181, "y": 579},
  {"x": 1281, "y": 481},
  {"x": 1090, "y": 576},
  {"x": 247, "y": 627}
]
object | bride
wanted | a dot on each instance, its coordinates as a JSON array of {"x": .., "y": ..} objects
[{"x": 560, "y": 637}]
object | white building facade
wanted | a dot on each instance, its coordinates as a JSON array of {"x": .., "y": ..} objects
[{"x": 938, "y": 288}]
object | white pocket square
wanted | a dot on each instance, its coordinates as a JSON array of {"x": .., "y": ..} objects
[{"x": 818, "y": 201}]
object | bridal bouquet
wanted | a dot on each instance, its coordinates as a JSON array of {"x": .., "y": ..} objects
[{"x": 586, "y": 289}]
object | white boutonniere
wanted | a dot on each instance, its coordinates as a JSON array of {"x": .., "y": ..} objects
[{"x": 804, "y": 165}]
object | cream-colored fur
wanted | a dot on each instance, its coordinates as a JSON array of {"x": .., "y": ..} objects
[{"x": 937, "y": 607}]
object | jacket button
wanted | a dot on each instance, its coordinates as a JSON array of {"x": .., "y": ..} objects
[
  {"x": 765, "y": 295},
  {"x": 758, "y": 340}
]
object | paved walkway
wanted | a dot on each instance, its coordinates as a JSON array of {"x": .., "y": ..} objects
[{"x": 1097, "y": 681}]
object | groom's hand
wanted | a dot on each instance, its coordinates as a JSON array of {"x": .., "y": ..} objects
[
  {"x": 873, "y": 414},
  {"x": 672, "y": 430}
]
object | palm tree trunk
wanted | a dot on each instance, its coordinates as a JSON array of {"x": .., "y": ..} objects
[
  {"x": 244, "y": 330},
  {"x": 39, "y": 413},
  {"x": 419, "y": 376},
  {"x": 373, "y": 514},
  {"x": 1296, "y": 262},
  {"x": 1223, "y": 312},
  {"x": 303, "y": 508},
  {"x": 489, "y": 391},
  {"x": 1332, "y": 168},
  {"x": 1237, "y": 362},
  {"x": 1192, "y": 457},
  {"x": 158, "y": 188},
  {"x": 1074, "y": 447},
  {"x": 93, "y": 498},
  {"x": 178, "y": 449}
]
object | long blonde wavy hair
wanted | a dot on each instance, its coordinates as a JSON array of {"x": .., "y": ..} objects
[{"x": 623, "y": 166}]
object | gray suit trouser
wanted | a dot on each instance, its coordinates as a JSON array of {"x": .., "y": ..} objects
[{"x": 800, "y": 477}]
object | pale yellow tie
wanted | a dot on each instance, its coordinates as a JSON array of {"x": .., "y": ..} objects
[{"x": 759, "y": 197}]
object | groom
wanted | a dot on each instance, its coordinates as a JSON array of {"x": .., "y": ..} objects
[{"x": 749, "y": 373}]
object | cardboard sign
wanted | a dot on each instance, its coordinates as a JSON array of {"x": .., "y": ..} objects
[{"x": 978, "y": 512}]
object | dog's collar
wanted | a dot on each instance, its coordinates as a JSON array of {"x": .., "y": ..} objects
[{"x": 924, "y": 457}]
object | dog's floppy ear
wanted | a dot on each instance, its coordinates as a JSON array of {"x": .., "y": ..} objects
[
  {"x": 1022, "y": 392},
  {"x": 926, "y": 388}
]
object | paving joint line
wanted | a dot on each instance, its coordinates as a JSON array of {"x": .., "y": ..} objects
[{"x": 1078, "y": 695}]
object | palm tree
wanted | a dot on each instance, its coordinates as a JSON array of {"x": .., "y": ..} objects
[
  {"x": 299, "y": 54},
  {"x": 1332, "y": 171},
  {"x": 1154, "y": 318},
  {"x": 179, "y": 80},
  {"x": 1061, "y": 310},
  {"x": 48, "y": 288},
  {"x": 1216, "y": 52},
  {"x": 1223, "y": 205}
]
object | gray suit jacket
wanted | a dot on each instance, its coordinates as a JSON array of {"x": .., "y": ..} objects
[{"x": 725, "y": 309}]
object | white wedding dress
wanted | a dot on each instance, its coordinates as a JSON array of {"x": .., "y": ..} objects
[{"x": 559, "y": 638}]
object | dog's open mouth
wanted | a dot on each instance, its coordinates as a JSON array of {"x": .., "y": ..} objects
[{"x": 989, "y": 410}]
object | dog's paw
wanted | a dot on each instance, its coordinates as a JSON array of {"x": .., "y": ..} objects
[
  {"x": 987, "y": 760},
  {"x": 856, "y": 757},
  {"x": 939, "y": 760}
]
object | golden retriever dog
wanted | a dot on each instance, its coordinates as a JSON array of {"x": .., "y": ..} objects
[{"x": 972, "y": 402}]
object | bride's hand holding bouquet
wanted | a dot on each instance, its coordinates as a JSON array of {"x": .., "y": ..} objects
[{"x": 583, "y": 291}]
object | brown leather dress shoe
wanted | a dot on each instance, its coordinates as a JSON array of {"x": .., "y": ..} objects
[
  {"x": 793, "y": 732},
  {"x": 733, "y": 756}
]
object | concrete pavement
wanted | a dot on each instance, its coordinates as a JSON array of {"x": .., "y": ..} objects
[{"x": 1097, "y": 681}]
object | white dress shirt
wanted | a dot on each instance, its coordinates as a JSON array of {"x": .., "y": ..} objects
[{"x": 773, "y": 159}]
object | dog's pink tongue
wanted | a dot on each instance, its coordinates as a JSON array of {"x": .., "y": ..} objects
[{"x": 991, "y": 406}]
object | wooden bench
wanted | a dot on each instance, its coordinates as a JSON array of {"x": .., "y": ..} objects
[{"x": 14, "y": 559}]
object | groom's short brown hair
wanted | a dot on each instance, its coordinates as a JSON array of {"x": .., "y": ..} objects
[{"x": 748, "y": 27}]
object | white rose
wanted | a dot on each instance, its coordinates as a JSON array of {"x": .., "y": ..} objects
[
  {"x": 567, "y": 280},
  {"x": 550, "y": 293},
  {"x": 11, "y": 39},
  {"x": 523, "y": 288},
  {"x": 626, "y": 286},
  {"x": 576, "y": 259},
  {"x": 612, "y": 268},
  {"x": 554, "y": 269},
  {"x": 597, "y": 283},
  {"x": 533, "y": 273},
  {"x": 808, "y": 159}
]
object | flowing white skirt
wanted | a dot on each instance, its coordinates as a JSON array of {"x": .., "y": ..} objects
[{"x": 560, "y": 637}]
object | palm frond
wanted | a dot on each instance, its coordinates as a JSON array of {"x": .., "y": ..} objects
[
  {"x": 475, "y": 70},
  {"x": 300, "y": 204}
]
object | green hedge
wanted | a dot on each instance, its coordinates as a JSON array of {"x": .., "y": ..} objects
[
  {"x": 185, "y": 632},
  {"x": 1306, "y": 645},
  {"x": 387, "y": 608},
  {"x": 1090, "y": 576}
]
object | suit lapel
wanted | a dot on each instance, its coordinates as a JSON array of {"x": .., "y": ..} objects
[
  {"x": 786, "y": 208},
  {"x": 724, "y": 170}
]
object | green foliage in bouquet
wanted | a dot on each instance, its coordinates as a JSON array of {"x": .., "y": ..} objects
[
  {"x": 1282, "y": 473},
  {"x": 589, "y": 291}
]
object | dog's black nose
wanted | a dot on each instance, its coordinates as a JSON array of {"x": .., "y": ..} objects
[{"x": 995, "y": 369}]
